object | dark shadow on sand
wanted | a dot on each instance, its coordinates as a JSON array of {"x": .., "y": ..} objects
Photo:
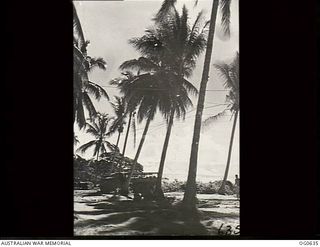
[{"x": 144, "y": 218}]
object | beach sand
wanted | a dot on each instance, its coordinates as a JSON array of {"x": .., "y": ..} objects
[{"x": 99, "y": 215}]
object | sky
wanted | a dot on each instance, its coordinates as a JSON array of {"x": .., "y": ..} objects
[{"x": 109, "y": 25}]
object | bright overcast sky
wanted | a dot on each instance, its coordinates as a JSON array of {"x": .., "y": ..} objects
[{"x": 109, "y": 25}]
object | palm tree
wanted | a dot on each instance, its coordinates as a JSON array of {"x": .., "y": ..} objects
[
  {"x": 132, "y": 125},
  {"x": 170, "y": 50},
  {"x": 98, "y": 129},
  {"x": 189, "y": 200},
  {"x": 119, "y": 108},
  {"x": 230, "y": 74},
  {"x": 184, "y": 45},
  {"x": 128, "y": 76},
  {"x": 147, "y": 93},
  {"x": 82, "y": 65}
]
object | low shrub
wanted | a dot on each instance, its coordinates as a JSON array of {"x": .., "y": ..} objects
[{"x": 202, "y": 188}]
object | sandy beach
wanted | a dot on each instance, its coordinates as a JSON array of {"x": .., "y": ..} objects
[{"x": 99, "y": 215}]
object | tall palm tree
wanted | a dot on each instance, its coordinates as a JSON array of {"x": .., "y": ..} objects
[
  {"x": 148, "y": 93},
  {"x": 127, "y": 76},
  {"x": 98, "y": 128},
  {"x": 189, "y": 199},
  {"x": 82, "y": 65},
  {"x": 83, "y": 87},
  {"x": 184, "y": 44},
  {"x": 132, "y": 125},
  {"x": 170, "y": 49},
  {"x": 230, "y": 74},
  {"x": 119, "y": 108}
]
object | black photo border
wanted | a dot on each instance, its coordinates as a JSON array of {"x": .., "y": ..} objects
[{"x": 278, "y": 123}]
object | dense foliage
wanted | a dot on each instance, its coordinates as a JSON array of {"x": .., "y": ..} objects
[
  {"x": 202, "y": 188},
  {"x": 93, "y": 170}
]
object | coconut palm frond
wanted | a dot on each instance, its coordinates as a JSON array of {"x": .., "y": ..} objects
[
  {"x": 97, "y": 62},
  {"x": 224, "y": 72},
  {"x": 141, "y": 64},
  {"x": 205, "y": 27},
  {"x": 120, "y": 82},
  {"x": 151, "y": 45},
  {"x": 226, "y": 13},
  {"x": 194, "y": 49},
  {"x": 111, "y": 146},
  {"x": 96, "y": 125},
  {"x": 182, "y": 104},
  {"x": 97, "y": 128},
  {"x": 195, "y": 26},
  {"x": 79, "y": 113},
  {"x": 169, "y": 51},
  {"x": 184, "y": 27},
  {"x": 119, "y": 108},
  {"x": 235, "y": 66},
  {"x": 129, "y": 74},
  {"x": 195, "y": 46},
  {"x": 189, "y": 87},
  {"x": 84, "y": 147},
  {"x": 230, "y": 74},
  {"x": 78, "y": 36},
  {"x": 89, "y": 105},
  {"x": 210, "y": 120},
  {"x": 82, "y": 86},
  {"x": 117, "y": 125},
  {"x": 81, "y": 66},
  {"x": 78, "y": 56},
  {"x": 116, "y": 81},
  {"x": 96, "y": 90},
  {"x": 92, "y": 130},
  {"x": 166, "y": 8}
]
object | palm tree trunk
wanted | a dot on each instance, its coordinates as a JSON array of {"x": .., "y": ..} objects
[
  {"x": 114, "y": 154},
  {"x": 158, "y": 192},
  {"x": 222, "y": 189},
  {"x": 189, "y": 200},
  {"x": 112, "y": 163},
  {"x": 125, "y": 142},
  {"x": 125, "y": 188},
  {"x": 98, "y": 155},
  {"x": 127, "y": 134},
  {"x": 119, "y": 133}
]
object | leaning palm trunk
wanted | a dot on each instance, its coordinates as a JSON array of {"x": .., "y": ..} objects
[
  {"x": 125, "y": 141},
  {"x": 119, "y": 133},
  {"x": 158, "y": 192},
  {"x": 114, "y": 154},
  {"x": 98, "y": 155},
  {"x": 125, "y": 189},
  {"x": 189, "y": 200},
  {"x": 222, "y": 189},
  {"x": 127, "y": 134}
]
